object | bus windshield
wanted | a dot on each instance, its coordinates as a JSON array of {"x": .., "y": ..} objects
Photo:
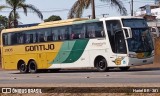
[{"x": 141, "y": 40}]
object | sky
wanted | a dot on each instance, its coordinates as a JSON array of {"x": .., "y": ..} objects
[{"x": 61, "y": 8}]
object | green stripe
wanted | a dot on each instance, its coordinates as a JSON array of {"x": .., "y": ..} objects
[
  {"x": 64, "y": 52},
  {"x": 77, "y": 51},
  {"x": 70, "y": 51}
]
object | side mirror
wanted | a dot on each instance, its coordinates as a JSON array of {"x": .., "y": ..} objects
[
  {"x": 154, "y": 32},
  {"x": 128, "y": 32}
]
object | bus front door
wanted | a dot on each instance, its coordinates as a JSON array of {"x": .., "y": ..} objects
[{"x": 120, "y": 48}]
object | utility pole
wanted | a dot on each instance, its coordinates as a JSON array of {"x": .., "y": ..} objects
[
  {"x": 131, "y": 7},
  {"x": 93, "y": 9}
]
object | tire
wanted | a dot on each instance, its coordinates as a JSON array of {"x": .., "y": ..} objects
[
  {"x": 124, "y": 68},
  {"x": 23, "y": 68},
  {"x": 101, "y": 65},
  {"x": 32, "y": 67}
]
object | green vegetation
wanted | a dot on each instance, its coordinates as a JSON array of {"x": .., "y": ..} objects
[
  {"x": 53, "y": 18},
  {"x": 14, "y": 5},
  {"x": 79, "y": 6}
]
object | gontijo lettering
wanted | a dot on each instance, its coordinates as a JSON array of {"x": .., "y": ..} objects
[{"x": 39, "y": 47}]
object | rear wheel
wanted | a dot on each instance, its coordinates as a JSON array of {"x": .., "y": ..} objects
[
  {"x": 124, "y": 68},
  {"x": 32, "y": 67},
  {"x": 101, "y": 65},
  {"x": 23, "y": 68}
]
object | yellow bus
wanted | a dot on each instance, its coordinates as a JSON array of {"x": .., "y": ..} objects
[{"x": 78, "y": 43}]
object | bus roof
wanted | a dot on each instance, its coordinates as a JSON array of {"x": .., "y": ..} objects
[
  {"x": 47, "y": 25},
  {"x": 121, "y": 17},
  {"x": 66, "y": 22}
]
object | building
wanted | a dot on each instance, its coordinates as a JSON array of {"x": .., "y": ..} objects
[{"x": 151, "y": 13}]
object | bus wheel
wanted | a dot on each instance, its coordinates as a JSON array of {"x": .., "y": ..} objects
[
  {"x": 32, "y": 67},
  {"x": 23, "y": 68},
  {"x": 101, "y": 65},
  {"x": 124, "y": 68}
]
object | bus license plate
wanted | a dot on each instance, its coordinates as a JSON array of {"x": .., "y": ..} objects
[{"x": 140, "y": 55}]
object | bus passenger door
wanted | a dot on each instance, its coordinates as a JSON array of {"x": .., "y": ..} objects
[
  {"x": 117, "y": 42},
  {"x": 120, "y": 48},
  {"x": 120, "y": 44}
]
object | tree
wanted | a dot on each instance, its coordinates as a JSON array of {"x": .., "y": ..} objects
[
  {"x": 14, "y": 5},
  {"x": 3, "y": 22},
  {"x": 79, "y": 6},
  {"x": 53, "y": 18}
]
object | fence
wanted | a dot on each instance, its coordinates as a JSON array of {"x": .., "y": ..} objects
[{"x": 157, "y": 50}]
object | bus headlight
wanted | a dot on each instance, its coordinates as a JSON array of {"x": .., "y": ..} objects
[{"x": 133, "y": 55}]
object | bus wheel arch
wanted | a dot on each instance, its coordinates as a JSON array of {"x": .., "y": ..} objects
[
  {"x": 22, "y": 67},
  {"x": 32, "y": 66},
  {"x": 100, "y": 64}
]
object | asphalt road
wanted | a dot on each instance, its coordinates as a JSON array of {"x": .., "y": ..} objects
[{"x": 134, "y": 75}]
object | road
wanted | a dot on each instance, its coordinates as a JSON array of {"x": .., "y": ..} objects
[{"x": 82, "y": 78}]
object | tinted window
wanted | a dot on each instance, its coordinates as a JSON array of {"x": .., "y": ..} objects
[
  {"x": 95, "y": 30},
  {"x": 78, "y": 32},
  {"x": 134, "y": 23},
  {"x": 5, "y": 39},
  {"x": 54, "y": 33},
  {"x": 63, "y": 33}
]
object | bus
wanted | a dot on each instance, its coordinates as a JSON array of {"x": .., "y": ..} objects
[{"x": 112, "y": 42}]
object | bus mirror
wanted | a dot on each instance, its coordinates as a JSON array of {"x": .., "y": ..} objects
[
  {"x": 154, "y": 32},
  {"x": 128, "y": 32}
]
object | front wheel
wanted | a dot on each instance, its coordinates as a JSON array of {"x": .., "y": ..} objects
[
  {"x": 124, "y": 68},
  {"x": 101, "y": 65}
]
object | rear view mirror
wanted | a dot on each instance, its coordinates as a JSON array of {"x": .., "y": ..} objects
[{"x": 128, "y": 32}]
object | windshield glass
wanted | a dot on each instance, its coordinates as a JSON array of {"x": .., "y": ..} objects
[{"x": 141, "y": 40}]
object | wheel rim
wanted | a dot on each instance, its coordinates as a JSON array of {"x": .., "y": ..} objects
[
  {"x": 101, "y": 65},
  {"x": 32, "y": 66},
  {"x": 22, "y": 67}
]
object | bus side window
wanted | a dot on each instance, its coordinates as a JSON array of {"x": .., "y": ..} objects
[
  {"x": 27, "y": 38},
  {"x": 99, "y": 29},
  {"x": 5, "y": 39},
  {"x": 41, "y": 37},
  {"x": 34, "y": 37},
  {"x": 20, "y": 38},
  {"x": 47, "y": 35},
  {"x": 54, "y": 34},
  {"x": 14, "y": 38},
  {"x": 90, "y": 30},
  {"x": 78, "y": 31},
  {"x": 63, "y": 33}
]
